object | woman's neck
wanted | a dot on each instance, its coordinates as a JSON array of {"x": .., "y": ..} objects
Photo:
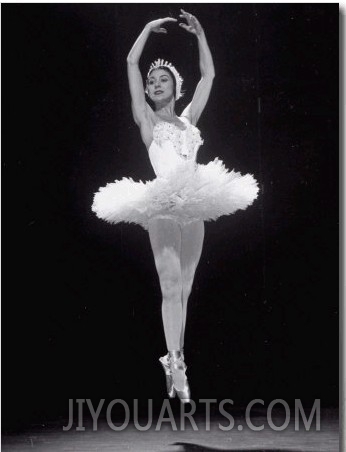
[{"x": 166, "y": 111}]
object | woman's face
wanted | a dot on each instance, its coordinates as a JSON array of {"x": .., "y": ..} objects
[{"x": 160, "y": 85}]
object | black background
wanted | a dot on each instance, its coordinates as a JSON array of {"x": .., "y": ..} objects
[{"x": 81, "y": 314}]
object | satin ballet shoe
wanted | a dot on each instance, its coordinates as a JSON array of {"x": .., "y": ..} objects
[
  {"x": 165, "y": 362},
  {"x": 178, "y": 371}
]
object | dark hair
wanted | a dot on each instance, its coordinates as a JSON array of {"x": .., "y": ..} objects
[{"x": 165, "y": 68}]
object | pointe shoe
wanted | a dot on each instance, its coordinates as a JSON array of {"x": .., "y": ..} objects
[
  {"x": 165, "y": 362},
  {"x": 178, "y": 371}
]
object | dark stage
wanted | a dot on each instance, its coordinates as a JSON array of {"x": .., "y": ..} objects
[{"x": 81, "y": 306}]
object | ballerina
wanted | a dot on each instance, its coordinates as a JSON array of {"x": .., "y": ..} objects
[{"x": 174, "y": 206}]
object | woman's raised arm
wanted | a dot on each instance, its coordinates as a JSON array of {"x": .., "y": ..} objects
[
  {"x": 194, "y": 110},
  {"x": 139, "y": 104}
]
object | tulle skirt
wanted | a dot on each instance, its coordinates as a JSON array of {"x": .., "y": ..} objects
[{"x": 205, "y": 192}]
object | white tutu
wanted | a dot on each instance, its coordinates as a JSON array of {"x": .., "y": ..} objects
[
  {"x": 184, "y": 191},
  {"x": 210, "y": 192}
]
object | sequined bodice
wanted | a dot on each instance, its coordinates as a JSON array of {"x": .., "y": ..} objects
[{"x": 173, "y": 147}]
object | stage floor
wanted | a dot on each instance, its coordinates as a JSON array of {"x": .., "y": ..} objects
[{"x": 50, "y": 437}]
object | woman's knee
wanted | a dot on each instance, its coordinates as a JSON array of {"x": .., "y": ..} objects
[
  {"x": 170, "y": 278},
  {"x": 171, "y": 290}
]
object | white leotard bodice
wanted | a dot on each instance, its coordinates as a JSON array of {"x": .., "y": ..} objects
[{"x": 173, "y": 147}]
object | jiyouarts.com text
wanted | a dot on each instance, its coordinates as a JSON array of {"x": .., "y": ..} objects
[{"x": 306, "y": 418}]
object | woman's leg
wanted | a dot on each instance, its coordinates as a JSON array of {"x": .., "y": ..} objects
[
  {"x": 191, "y": 248},
  {"x": 165, "y": 239}
]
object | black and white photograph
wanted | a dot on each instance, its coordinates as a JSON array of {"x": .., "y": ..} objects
[{"x": 171, "y": 230}]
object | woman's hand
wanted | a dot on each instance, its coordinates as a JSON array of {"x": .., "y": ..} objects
[
  {"x": 155, "y": 25},
  {"x": 193, "y": 26}
]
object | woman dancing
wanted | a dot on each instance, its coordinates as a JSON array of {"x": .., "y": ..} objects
[{"x": 174, "y": 206}]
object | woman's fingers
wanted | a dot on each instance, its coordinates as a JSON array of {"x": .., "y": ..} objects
[
  {"x": 156, "y": 24},
  {"x": 187, "y": 27},
  {"x": 192, "y": 22},
  {"x": 159, "y": 30},
  {"x": 185, "y": 14},
  {"x": 169, "y": 19},
  {"x": 190, "y": 19}
]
